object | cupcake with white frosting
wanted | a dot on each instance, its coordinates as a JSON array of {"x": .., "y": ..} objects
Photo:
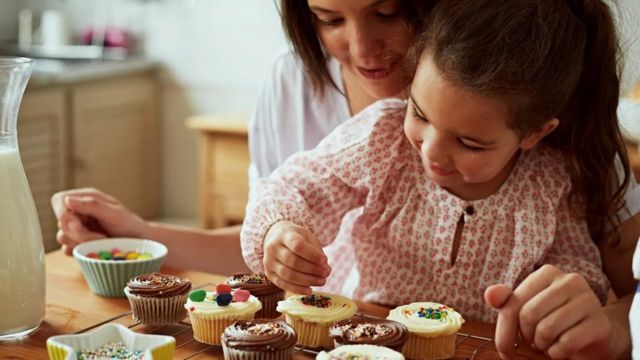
[
  {"x": 211, "y": 312},
  {"x": 360, "y": 352},
  {"x": 312, "y": 315},
  {"x": 432, "y": 329}
]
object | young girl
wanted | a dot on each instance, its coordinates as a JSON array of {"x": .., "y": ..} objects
[{"x": 504, "y": 166}]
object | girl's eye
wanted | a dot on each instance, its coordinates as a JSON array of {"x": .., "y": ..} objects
[
  {"x": 329, "y": 22},
  {"x": 416, "y": 114},
  {"x": 387, "y": 15},
  {"x": 469, "y": 147}
]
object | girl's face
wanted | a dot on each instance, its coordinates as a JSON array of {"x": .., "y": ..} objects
[
  {"x": 369, "y": 38},
  {"x": 462, "y": 137}
]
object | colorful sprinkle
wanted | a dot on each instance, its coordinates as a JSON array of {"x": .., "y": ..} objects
[
  {"x": 316, "y": 300},
  {"x": 112, "y": 350},
  {"x": 433, "y": 313},
  {"x": 198, "y": 295}
]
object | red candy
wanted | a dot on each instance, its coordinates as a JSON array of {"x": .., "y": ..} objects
[
  {"x": 223, "y": 289},
  {"x": 93, "y": 256},
  {"x": 241, "y": 295},
  {"x": 115, "y": 250}
]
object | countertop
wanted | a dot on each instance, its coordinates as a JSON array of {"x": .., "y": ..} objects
[{"x": 48, "y": 72}]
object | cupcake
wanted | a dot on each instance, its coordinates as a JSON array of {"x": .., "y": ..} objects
[
  {"x": 262, "y": 288},
  {"x": 361, "y": 330},
  {"x": 211, "y": 312},
  {"x": 258, "y": 339},
  {"x": 432, "y": 329},
  {"x": 360, "y": 352},
  {"x": 312, "y": 315},
  {"x": 157, "y": 298}
]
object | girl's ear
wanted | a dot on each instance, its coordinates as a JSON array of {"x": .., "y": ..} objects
[{"x": 531, "y": 140}]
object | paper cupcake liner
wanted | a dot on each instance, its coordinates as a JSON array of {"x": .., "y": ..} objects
[
  {"x": 429, "y": 348},
  {"x": 207, "y": 328},
  {"x": 310, "y": 334},
  {"x": 157, "y": 311},
  {"x": 236, "y": 354},
  {"x": 269, "y": 305}
]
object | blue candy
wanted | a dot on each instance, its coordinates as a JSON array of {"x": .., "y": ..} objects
[{"x": 224, "y": 299}]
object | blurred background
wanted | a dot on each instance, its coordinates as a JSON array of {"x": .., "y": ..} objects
[{"x": 149, "y": 99}]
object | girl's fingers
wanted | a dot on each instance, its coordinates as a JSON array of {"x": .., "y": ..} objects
[
  {"x": 285, "y": 256},
  {"x": 508, "y": 324},
  {"x": 295, "y": 277},
  {"x": 299, "y": 245},
  {"x": 285, "y": 285},
  {"x": 589, "y": 339}
]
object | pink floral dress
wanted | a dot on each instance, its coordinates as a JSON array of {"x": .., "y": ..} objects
[{"x": 364, "y": 187}]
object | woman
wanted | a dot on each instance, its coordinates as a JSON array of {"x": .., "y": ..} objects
[{"x": 352, "y": 54}]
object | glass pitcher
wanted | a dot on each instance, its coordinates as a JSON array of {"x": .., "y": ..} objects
[{"x": 22, "y": 276}]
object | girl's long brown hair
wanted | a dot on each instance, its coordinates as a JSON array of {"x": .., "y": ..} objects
[
  {"x": 548, "y": 59},
  {"x": 298, "y": 23}
]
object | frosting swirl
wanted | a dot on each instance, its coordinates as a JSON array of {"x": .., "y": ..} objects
[
  {"x": 365, "y": 330},
  {"x": 259, "y": 335},
  {"x": 158, "y": 285},
  {"x": 319, "y": 307},
  {"x": 428, "y": 318},
  {"x": 257, "y": 284},
  {"x": 210, "y": 306}
]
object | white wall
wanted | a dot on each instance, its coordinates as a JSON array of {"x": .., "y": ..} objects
[{"x": 8, "y": 19}]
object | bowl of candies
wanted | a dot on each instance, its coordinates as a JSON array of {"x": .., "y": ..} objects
[{"x": 108, "y": 264}]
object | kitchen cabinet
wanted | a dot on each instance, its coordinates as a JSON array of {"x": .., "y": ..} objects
[
  {"x": 100, "y": 133},
  {"x": 223, "y": 169}
]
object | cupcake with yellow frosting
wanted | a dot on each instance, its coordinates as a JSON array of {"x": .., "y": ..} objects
[
  {"x": 432, "y": 329},
  {"x": 211, "y": 312},
  {"x": 312, "y": 315}
]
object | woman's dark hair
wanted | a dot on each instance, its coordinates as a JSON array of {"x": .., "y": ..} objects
[
  {"x": 298, "y": 23},
  {"x": 548, "y": 59}
]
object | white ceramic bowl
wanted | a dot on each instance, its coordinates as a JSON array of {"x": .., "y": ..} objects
[
  {"x": 157, "y": 347},
  {"x": 110, "y": 277}
]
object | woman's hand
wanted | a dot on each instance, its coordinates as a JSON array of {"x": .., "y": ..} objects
[
  {"x": 89, "y": 214},
  {"x": 556, "y": 312},
  {"x": 293, "y": 258}
]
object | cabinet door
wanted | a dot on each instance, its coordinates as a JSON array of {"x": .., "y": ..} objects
[
  {"x": 115, "y": 140},
  {"x": 42, "y": 141}
]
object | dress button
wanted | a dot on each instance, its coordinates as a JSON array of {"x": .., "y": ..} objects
[{"x": 469, "y": 210}]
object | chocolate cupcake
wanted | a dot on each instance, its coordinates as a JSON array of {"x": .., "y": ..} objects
[
  {"x": 262, "y": 288},
  {"x": 157, "y": 298},
  {"x": 258, "y": 339},
  {"x": 365, "y": 330}
]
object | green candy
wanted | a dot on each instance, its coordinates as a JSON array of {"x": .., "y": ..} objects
[
  {"x": 105, "y": 255},
  {"x": 198, "y": 295}
]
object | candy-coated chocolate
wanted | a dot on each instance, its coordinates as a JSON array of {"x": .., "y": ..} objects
[
  {"x": 223, "y": 289},
  {"x": 131, "y": 255},
  {"x": 114, "y": 251},
  {"x": 223, "y": 299},
  {"x": 241, "y": 295},
  {"x": 105, "y": 255},
  {"x": 93, "y": 256},
  {"x": 198, "y": 295}
]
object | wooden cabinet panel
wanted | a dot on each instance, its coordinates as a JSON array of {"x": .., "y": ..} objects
[
  {"x": 42, "y": 141},
  {"x": 115, "y": 141}
]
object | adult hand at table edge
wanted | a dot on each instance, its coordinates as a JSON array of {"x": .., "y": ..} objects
[{"x": 89, "y": 214}]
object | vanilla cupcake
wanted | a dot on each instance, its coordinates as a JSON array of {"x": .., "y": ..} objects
[
  {"x": 432, "y": 329},
  {"x": 262, "y": 288},
  {"x": 312, "y": 315},
  {"x": 157, "y": 299},
  {"x": 211, "y": 312},
  {"x": 360, "y": 352},
  {"x": 258, "y": 339}
]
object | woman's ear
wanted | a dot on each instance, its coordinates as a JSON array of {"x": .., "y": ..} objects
[{"x": 531, "y": 140}]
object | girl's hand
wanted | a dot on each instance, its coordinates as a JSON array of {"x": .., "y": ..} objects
[
  {"x": 293, "y": 258},
  {"x": 556, "y": 312},
  {"x": 89, "y": 214}
]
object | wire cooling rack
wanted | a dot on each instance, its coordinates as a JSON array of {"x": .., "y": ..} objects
[{"x": 468, "y": 346}]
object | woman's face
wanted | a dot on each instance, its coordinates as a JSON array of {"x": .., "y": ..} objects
[{"x": 369, "y": 38}]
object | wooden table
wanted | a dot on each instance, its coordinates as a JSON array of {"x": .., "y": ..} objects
[{"x": 72, "y": 308}]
